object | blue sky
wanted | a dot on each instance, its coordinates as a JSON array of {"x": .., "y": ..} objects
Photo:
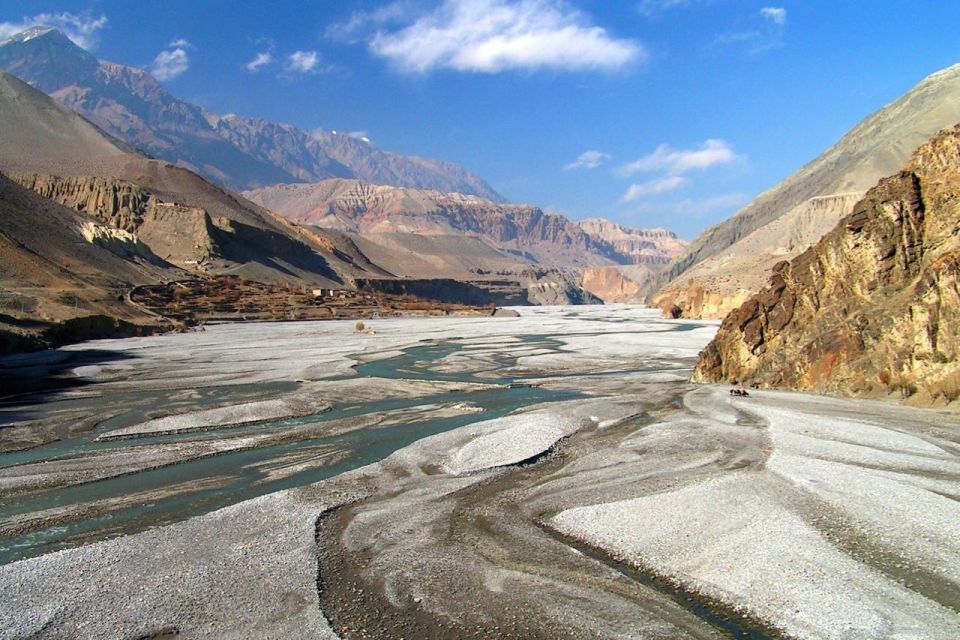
[{"x": 650, "y": 112}]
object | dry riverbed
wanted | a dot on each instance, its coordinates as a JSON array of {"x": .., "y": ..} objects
[{"x": 548, "y": 476}]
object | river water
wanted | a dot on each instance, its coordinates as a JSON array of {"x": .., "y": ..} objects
[
  {"x": 229, "y": 478},
  {"x": 115, "y": 384}
]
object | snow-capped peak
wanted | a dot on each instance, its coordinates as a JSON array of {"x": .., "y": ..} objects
[{"x": 28, "y": 34}]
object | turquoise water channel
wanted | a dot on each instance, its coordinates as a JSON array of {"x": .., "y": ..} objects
[{"x": 130, "y": 503}]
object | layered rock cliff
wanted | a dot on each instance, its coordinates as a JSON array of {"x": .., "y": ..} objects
[
  {"x": 190, "y": 237},
  {"x": 871, "y": 309},
  {"x": 642, "y": 246},
  {"x": 63, "y": 275},
  {"x": 524, "y": 231},
  {"x": 179, "y": 234},
  {"x": 118, "y": 203}
]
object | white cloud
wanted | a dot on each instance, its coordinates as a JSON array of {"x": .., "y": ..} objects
[
  {"x": 588, "y": 160},
  {"x": 302, "y": 61},
  {"x": 489, "y": 36},
  {"x": 653, "y": 7},
  {"x": 361, "y": 22},
  {"x": 693, "y": 207},
  {"x": 776, "y": 15},
  {"x": 653, "y": 187},
  {"x": 673, "y": 165},
  {"x": 169, "y": 64},
  {"x": 711, "y": 153},
  {"x": 260, "y": 60},
  {"x": 760, "y": 32},
  {"x": 180, "y": 43},
  {"x": 81, "y": 28}
]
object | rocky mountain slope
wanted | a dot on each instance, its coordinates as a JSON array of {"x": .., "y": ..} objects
[
  {"x": 721, "y": 283},
  {"x": 873, "y": 307},
  {"x": 193, "y": 223},
  {"x": 623, "y": 283},
  {"x": 59, "y": 271},
  {"x": 721, "y": 267},
  {"x": 236, "y": 152},
  {"x": 525, "y": 232},
  {"x": 317, "y": 155}
]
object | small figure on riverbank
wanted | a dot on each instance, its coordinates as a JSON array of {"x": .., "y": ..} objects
[{"x": 739, "y": 393}]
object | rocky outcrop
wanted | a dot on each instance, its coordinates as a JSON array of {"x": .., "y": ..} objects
[
  {"x": 693, "y": 299},
  {"x": 873, "y": 308},
  {"x": 240, "y": 153},
  {"x": 642, "y": 246},
  {"x": 559, "y": 292},
  {"x": 624, "y": 284},
  {"x": 177, "y": 233},
  {"x": 780, "y": 223},
  {"x": 646, "y": 252},
  {"x": 116, "y": 241},
  {"x": 117, "y": 203}
]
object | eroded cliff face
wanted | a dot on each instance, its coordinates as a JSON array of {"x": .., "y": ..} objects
[
  {"x": 702, "y": 300},
  {"x": 624, "y": 284},
  {"x": 174, "y": 232},
  {"x": 872, "y": 309},
  {"x": 642, "y": 246}
]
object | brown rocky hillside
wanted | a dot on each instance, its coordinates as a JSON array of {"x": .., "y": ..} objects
[
  {"x": 184, "y": 219},
  {"x": 871, "y": 309},
  {"x": 62, "y": 273},
  {"x": 647, "y": 253}
]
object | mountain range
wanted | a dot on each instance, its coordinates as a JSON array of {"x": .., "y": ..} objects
[
  {"x": 373, "y": 196},
  {"x": 88, "y": 216},
  {"x": 526, "y": 232},
  {"x": 231, "y": 150},
  {"x": 862, "y": 293}
]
